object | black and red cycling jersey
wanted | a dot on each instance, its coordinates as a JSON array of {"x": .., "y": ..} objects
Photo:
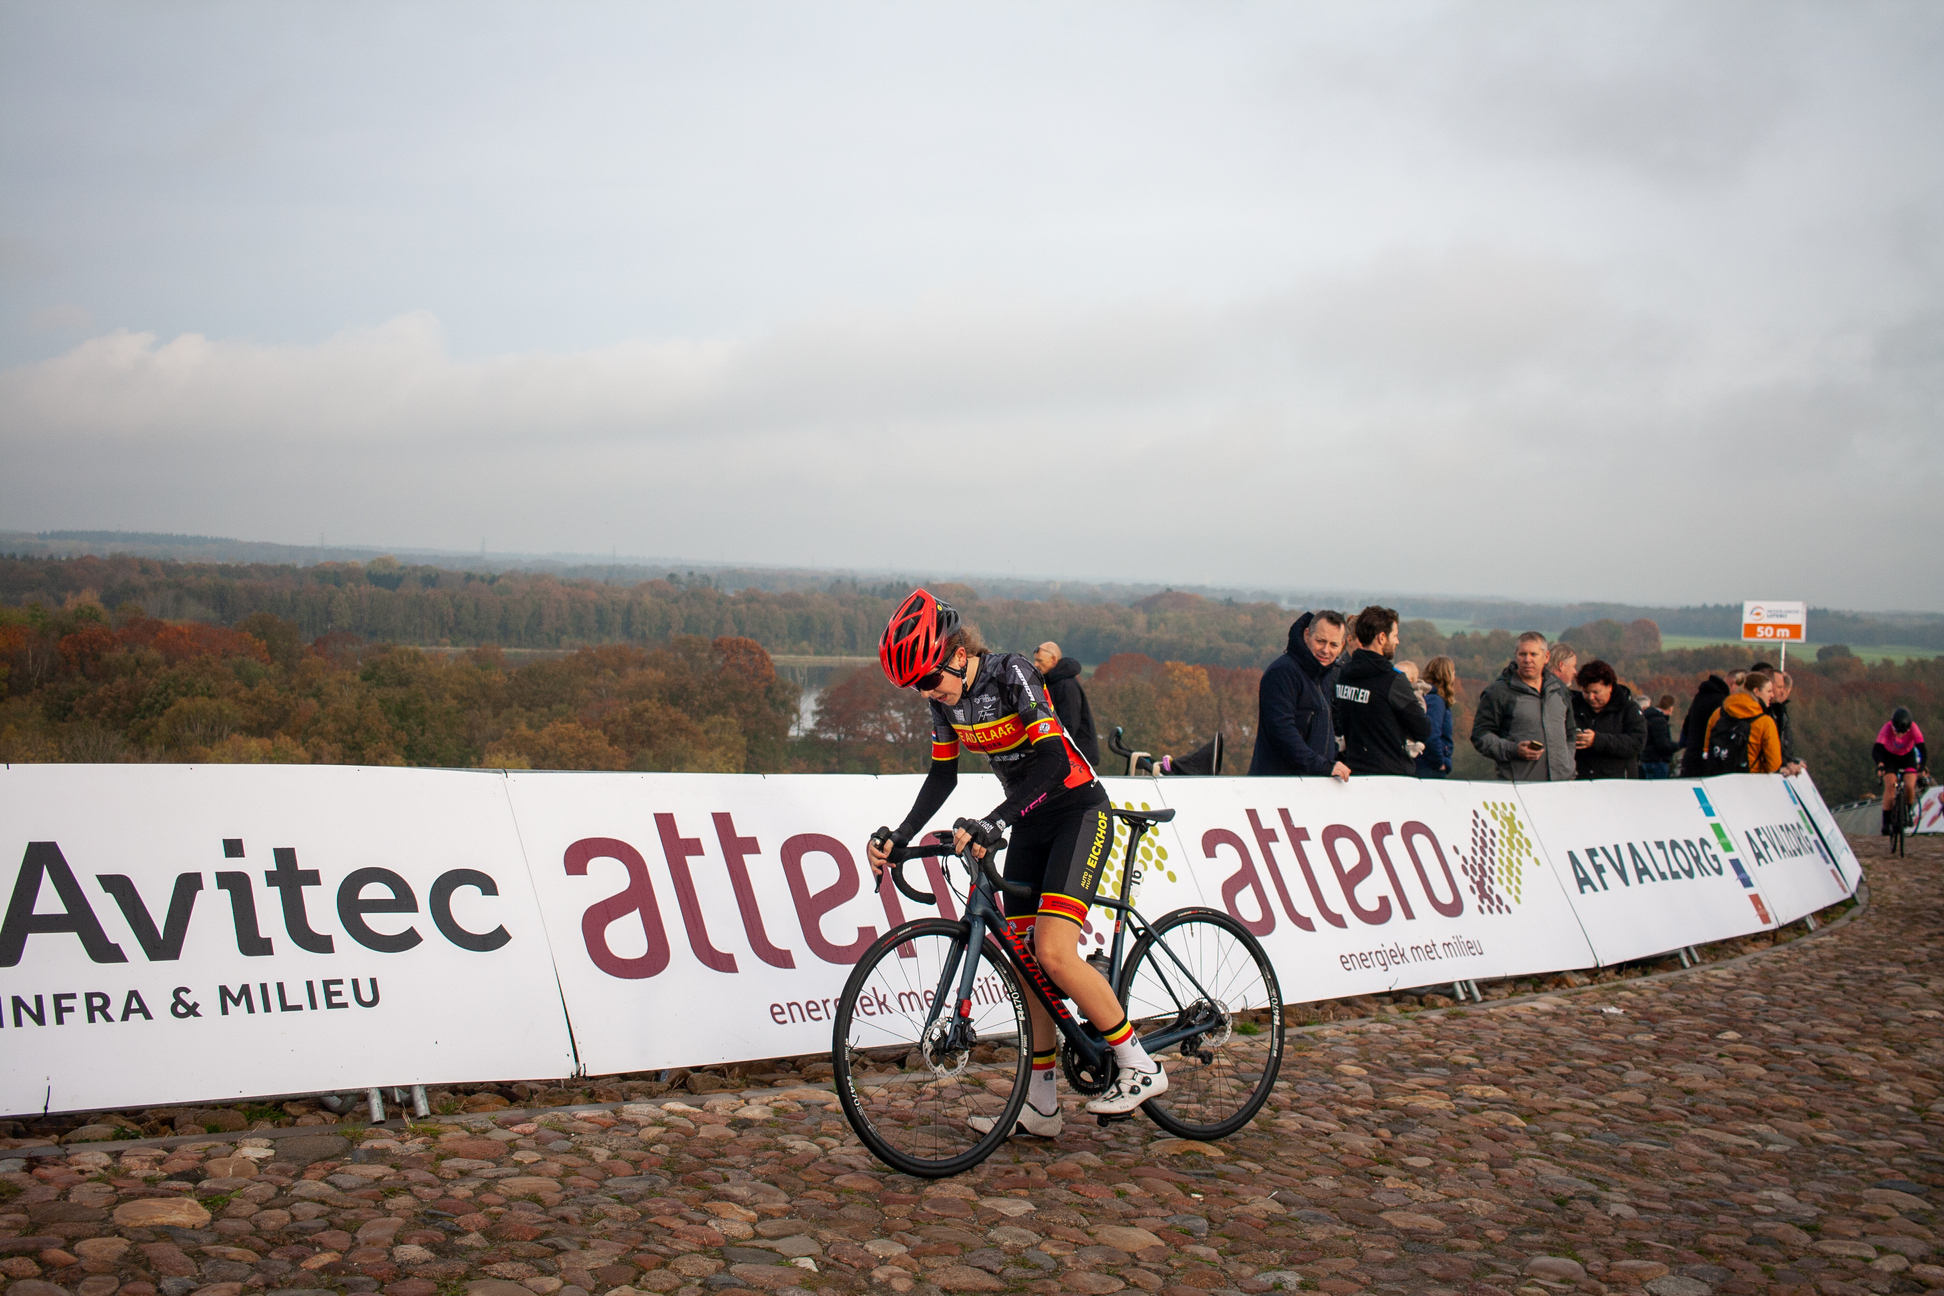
[{"x": 1004, "y": 715}]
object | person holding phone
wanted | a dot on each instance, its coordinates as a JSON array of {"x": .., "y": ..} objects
[{"x": 1524, "y": 723}]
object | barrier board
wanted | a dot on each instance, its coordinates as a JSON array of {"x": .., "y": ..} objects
[
  {"x": 184, "y": 933},
  {"x": 1780, "y": 843},
  {"x": 1648, "y": 866},
  {"x": 1842, "y": 857},
  {"x": 703, "y": 918},
  {"x": 1378, "y": 883},
  {"x": 1930, "y": 811},
  {"x": 181, "y": 933}
]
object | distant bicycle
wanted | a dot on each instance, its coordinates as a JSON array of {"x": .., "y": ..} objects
[
  {"x": 1900, "y": 761},
  {"x": 931, "y": 1039}
]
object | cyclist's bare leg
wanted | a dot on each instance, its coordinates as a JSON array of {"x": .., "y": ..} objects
[
  {"x": 1889, "y": 791},
  {"x": 1045, "y": 1036},
  {"x": 1057, "y": 942}
]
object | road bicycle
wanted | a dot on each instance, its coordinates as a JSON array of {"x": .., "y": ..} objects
[
  {"x": 933, "y": 1029},
  {"x": 1900, "y": 815}
]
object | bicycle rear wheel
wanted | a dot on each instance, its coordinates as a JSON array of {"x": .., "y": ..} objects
[
  {"x": 1199, "y": 967},
  {"x": 909, "y": 1086}
]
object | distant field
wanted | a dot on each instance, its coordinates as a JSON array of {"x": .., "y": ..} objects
[{"x": 1807, "y": 651}]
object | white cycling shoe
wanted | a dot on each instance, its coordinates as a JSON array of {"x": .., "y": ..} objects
[
  {"x": 1130, "y": 1090},
  {"x": 1031, "y": 1121}
]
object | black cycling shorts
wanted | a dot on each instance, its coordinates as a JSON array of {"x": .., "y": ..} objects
[{"x": 1061, "y": 853}]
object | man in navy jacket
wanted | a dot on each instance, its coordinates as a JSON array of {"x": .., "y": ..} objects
[{"x": 1294, "y": 732}]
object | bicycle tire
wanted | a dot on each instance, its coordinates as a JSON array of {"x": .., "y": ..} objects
[
  {"x": 910, "y": 1108},
  {"x": 1217, "y": 1081}
]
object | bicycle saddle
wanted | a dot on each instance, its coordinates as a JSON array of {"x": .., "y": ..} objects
[{"x": 1149, "y": 817}]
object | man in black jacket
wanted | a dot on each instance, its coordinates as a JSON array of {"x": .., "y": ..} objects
[
  {"x": 1779, "y": 712},
  {"x": 1380, "y": 710},
  {"x": 1708, "y": 698},
  {"x": 1294, "y": 730},
  {"x": 1660, "y": 749},
  {"x": 1062, "y": 676}
]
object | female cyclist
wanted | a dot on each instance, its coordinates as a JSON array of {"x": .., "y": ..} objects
[
  {"x": 1056, "y": 813},
  {"x": 1899, "y": 752}
]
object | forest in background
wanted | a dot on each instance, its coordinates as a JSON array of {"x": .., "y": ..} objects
[
  {"x": 381, "y": 663},
  {"x": 551, "y": 605}
]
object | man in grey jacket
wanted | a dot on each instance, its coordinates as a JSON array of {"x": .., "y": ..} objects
[{"x": 1525, "y": 718}]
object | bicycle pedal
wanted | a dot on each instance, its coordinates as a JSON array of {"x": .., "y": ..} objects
[{"x": 1106, "y": 1119}]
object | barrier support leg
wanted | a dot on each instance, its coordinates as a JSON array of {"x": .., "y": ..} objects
[
  {"x": 1458, "y": 991},
  {"x": 1476, "y": 997},
  {"x": 419, "y": 1107},
  {"x": 1809, "y": 921},
  {"x": 1683, "y": 955},
  {"x": 377, "y": 1101}
]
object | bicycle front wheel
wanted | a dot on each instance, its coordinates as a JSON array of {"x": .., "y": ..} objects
[
  {"x": 1200, "y": 970},
  {"x": 930, "y": 1092}
]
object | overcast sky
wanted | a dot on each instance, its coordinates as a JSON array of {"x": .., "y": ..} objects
[{"x": 1551, "y": 300}]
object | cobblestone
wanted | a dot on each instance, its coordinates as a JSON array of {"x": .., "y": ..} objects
[{"x": 1768, "y": 1125}]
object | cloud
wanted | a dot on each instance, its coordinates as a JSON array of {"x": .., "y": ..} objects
[{"x": 1404, "y": 420}]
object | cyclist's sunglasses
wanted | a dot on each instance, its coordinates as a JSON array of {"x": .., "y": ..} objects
[{"x": 927, "y": 683}]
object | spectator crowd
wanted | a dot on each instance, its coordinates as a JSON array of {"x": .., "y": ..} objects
[{"x": 1337, "y": 702}]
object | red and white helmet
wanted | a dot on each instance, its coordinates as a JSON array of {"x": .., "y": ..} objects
[{"x": 913, "y": 644}]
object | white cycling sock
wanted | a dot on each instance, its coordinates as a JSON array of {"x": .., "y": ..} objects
[
  {"x": 1043, "y": 1093},
  {"x": 1127, "y": 1048}
]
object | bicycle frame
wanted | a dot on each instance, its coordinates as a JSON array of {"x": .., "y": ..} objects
[{"x": 989, "y": 930}]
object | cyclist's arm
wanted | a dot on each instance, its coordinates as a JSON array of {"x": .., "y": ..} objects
[
  {"x": 1880, "y": 754},
  {"x": 940, "y": 779}
]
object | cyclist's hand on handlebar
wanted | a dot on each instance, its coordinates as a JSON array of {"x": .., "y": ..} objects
[
  {"x": 981, "y": 834},
  {"x": 878, "y": 850}
]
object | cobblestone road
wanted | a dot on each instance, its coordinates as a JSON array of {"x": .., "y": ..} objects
[{"x": 1763, "y": 1126}]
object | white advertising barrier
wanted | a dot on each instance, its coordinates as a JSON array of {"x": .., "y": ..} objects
[
  {"x": 1842, "y": 857},
  {"x": 1930, "y": 811},
  {"x": 1648, "y": 866},
  {"x": 702, "y": 918},
  {"x": 1780, "y": 843},
  {"x": 183, "y": 933},
  {"x": 179, "y": 933},
  {"x": 1366, "y": 886}
]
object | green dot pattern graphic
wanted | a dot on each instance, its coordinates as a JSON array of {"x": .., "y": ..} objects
[
  {"x": 1151, "y": 856},
  {"x": 1514, "y": 847}
]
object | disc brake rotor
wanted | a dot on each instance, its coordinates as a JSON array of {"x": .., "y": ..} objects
[
  {"x": 1217, "y": 1026},
  {"x": 944, "y": 1054}
]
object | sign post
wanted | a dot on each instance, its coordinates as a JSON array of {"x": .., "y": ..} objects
[{"x": 1777, "y": 623}]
